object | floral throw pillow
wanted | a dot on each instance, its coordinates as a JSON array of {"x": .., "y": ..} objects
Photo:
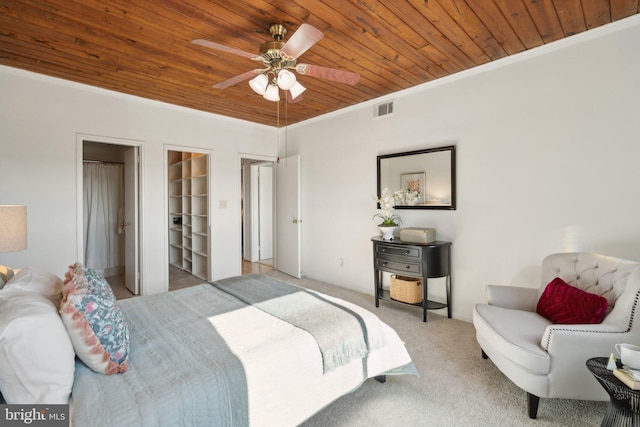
[{"x": 96, "y": 326}]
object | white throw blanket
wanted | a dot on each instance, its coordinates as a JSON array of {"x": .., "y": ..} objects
[{"x": 342, "y": 334}]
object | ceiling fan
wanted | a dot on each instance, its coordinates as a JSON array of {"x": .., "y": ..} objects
[{"x": 278, "y": 58}]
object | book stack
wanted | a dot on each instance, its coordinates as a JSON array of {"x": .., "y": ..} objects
[{"x": 630, "y": 377}]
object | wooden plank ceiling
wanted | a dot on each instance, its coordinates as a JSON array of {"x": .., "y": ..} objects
[{"x": 143, "y": 47}]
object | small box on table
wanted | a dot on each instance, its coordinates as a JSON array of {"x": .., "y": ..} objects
[{"x": 418, "y": 235}]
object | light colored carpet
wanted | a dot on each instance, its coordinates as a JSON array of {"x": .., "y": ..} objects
[{"x": 456, "y": 387}]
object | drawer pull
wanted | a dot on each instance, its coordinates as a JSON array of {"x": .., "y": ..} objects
[
  {"x": 408, "y": 267},
  {"x": 384, "y": 264},
  {"x": 407, "y": 252},
  {"x": 383, "y": 250}
]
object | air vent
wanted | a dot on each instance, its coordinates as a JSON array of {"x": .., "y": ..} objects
[{"x": 383, "y": 109}]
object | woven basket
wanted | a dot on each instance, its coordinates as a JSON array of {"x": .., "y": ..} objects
[{"x": 406, "y": 289}]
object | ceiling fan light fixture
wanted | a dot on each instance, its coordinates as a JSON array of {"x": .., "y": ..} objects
[
  {"x": 296, "y": 90},
  {"x": 272, "y": 93},
  {"x": 286, "y": 79},
  {"x": 259, "y": 84}
]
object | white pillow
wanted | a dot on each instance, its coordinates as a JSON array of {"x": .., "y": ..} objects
[
  {"x": 38, "y": 360},
  {"x": 33, "y": 280},
  {"x": 6, "y": 273}
]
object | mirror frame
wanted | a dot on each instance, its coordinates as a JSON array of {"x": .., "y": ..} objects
[{"x": 451, "y": 148}]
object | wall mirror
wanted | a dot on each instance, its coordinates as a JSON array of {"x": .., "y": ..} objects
[{"x": 421, "y": 179}]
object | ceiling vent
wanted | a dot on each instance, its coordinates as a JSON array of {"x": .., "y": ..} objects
[{"x": 383, "y": 109}]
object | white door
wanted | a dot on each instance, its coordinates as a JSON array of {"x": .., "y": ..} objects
[
  {"x": 131, "y": 266},
  {"x": 288, "y": 216},
  {"x": 265, "y": 215}
]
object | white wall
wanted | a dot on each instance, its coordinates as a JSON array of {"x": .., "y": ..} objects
[
  {"x": 548, "y": 149},
  {"x": 39, "y": 120},
  {"x": 547, "y": 157}
]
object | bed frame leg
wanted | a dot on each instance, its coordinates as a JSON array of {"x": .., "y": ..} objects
[{"x": 381, "y": 378}]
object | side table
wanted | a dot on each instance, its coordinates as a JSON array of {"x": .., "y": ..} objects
[
  {"x": 423, "y": 260},
  {"x": 624, "y": 403}
]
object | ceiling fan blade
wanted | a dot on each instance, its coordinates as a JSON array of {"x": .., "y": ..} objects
[
  {"x": 292, "y": 100},
  {"x": 304, "y": 37},
  {"x": 339, "y": 76},
  {"x": 223, "y": 48},
  {"x": 237, "y": 79}
]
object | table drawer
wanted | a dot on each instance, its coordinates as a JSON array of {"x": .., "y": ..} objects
[
  {"x": 410, "y": 252},
  {"x": 399, "y": 266}
]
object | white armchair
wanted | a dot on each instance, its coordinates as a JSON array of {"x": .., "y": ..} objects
[{"x": 548, "y": 360}]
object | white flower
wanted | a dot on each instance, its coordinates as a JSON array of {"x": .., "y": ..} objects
[{"x": 387, "y": 203}]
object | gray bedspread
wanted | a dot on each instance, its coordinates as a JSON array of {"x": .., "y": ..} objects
[{"x": 181, "y": 373}]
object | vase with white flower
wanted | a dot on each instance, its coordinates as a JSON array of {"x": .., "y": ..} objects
[{"x": 389, "y": 219}]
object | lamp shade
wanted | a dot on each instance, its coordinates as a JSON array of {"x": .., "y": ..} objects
[
  {"x": 13, "y": 228},
  {"x": 296, "y": 90},
  {"x": 286, "y": 79},
  {"x": 259, "y": 83},
  {"x": 272, "y": 93}
]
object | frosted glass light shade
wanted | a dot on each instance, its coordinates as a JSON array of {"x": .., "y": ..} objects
[
  {"x": 297, "y": 90},
  {"x": 259, "y": 84},
  {"x": 286, "y": 79},
  {"x": 272, "y": 93},
  {"x": 13, "y": 228}
]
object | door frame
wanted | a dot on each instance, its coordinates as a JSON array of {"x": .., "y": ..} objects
[
  {"x": 165, "y": 160},
  {"x": 258, "y": 159},
  {"x": 254, "y": 201},
  {"x": 80, "y": 139}
]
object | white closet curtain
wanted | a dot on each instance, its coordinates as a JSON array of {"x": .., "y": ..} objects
[{"x": 103, "y": 202}]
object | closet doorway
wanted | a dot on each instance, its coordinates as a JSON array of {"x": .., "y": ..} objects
[
  {"x": 258, "y": 195},
  {"x": 109, "y": 201},
  {"x": 188, "y": 216}
]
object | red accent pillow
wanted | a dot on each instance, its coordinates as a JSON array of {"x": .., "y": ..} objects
[{"x": 566, "y": 304}]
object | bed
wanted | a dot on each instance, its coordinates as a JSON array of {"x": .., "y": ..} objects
[{"x": 248, "y": 350}]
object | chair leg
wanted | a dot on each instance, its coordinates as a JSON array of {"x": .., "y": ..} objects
[
  {"x": 532, "y": 402},
  {"x": 484, "y": 355}
]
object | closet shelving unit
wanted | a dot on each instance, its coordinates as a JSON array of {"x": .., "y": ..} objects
[{"x": 188, "y": 212}]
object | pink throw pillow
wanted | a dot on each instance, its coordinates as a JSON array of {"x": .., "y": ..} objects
[
  {"x": 95, "y": 324},
  {"x": 565, "y": 304}
]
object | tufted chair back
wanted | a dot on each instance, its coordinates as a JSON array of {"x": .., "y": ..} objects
[{"x": 615, "y": 279}]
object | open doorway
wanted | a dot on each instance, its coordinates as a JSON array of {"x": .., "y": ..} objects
[
  {"x": 257, "y": 215},
  {"x": 109, "y": 194},
  {"x": 188, "y": 209}
]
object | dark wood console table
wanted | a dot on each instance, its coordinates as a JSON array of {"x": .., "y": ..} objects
[{"x": 424, "y": 260}]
